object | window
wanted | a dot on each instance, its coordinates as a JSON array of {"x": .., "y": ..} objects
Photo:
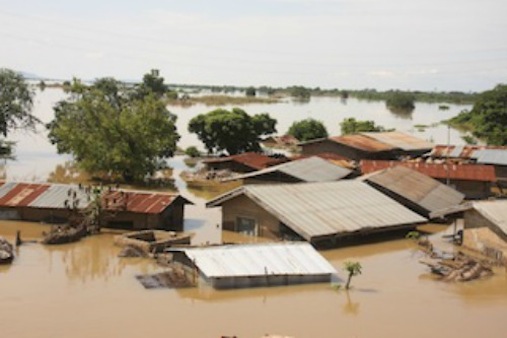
[{"x": 247, "y": 226}]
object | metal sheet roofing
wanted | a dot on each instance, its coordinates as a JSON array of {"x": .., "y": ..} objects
[
  {"x": 418, "y": 188},
  {"x": 259, "y": 260},
  {"x": 494, "y": 211},
  {"x": 253, "y": 160},
  {"x": 400, "y": 140},
  {"x": 362, "y": 142},
  {"x": 491, "y": 156},
  {"x": 311, "y": 169},
  {"x": 326, "y": 208},
  {"x": 20, "y": 194},
  {"x": 139, "y": 202},
  {"x": 462, "y": 151},
  {"x": 467, "y": 172},
  {"x": 55, "y": 195}
]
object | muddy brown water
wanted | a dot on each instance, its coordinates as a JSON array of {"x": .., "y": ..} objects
[{"x": 85, "y": 290}]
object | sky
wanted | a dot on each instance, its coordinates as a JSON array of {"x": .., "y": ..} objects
[{"x": 433, "y": 45}]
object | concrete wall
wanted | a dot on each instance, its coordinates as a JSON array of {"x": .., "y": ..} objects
[{"x": 242, "y": 206}]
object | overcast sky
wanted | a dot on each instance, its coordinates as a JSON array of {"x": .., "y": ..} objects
[{"x": 405, "y": 44}]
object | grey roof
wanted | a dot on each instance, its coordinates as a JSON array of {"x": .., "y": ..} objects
[
  {"x": 416, "y": 187},
  {"x": 400, "y": 140},
  {"x": 56, "y": 195},
  {"x": 259, "y": 260},
  {"x": 6, "y": 188},
  {"x": 311, "y": 169},
  {"x": 326, "y": 208},
  {"x": 456, "y": 152},
  {"x": 491, "y": 156},
  {"x": 494, "y": 211}
]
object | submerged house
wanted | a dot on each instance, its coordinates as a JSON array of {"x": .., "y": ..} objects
[
  {"x": 414, "y": 190},
  {"x": 310, "y": 169},
  {"x": 252, "y": 265},
  {"x": 485, "y": 229},
  {"x": 372, "y": 145},
  {"x": 57, "y": 203},
  {"x": 243, "y": 163},
  {"x": 473, "y": 180},
  {"x": 322, "y": 213}
]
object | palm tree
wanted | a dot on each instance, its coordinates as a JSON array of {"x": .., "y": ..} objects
[{"x": 353, "y": 268}]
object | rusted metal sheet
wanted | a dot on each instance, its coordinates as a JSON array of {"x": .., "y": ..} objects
[
  {"x": 466, "y": 172},
  {"x": 465, "y": 151},
  {"x": 253, "y": 160},
  {"x": 138, "y": 202},
  {"x": 428, "y": 193},
  {"x": 400, "y": 140},
  {"x": 20, "y": 194},
  {"x": 362, "y": 142}
]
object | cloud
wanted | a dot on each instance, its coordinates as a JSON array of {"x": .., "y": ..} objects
[{"x": 97, "y": 55}]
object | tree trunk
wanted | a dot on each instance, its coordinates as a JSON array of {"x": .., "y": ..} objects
[{"x": 347, "y": 286}]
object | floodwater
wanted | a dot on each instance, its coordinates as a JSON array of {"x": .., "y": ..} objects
[{"x": 85, "y": 290}]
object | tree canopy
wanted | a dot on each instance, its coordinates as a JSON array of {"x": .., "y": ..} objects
[
  {"x": 488, "y": 117},
  {"x": 351, "y": 126},
  {"x": 111, "y": 130},
  {"x": 233, "y": 131},
  {"x": 307, "y": 129},
  {"x": 398, "y": 100},
  {"x": 16, "y": 102},
  {"x": 300, "y": 92}
]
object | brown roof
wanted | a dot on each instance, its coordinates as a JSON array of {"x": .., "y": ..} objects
[
  {"x": 362, "y": 142},
  {"x": 464, "y": 151},
  {"x": 336, "y": 159},
  {"x": 400, "y": 140},
  {"x": 468, "y": 172},
  {"x": 253, "y": 160},
  {"x": 22, "y": 194},
  {"x": 138, "y": 202}
]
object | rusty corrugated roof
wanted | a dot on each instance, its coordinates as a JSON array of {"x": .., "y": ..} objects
[
  {"x": 461, "y": 151},
  {"x": 138, "y": 202},
  {"x": 253, "y": 160},
  {"x": 467, "y": 172},
  {"x": 362, "y": 142},
  {"x": 400, "y": 140},
  {"x": 20, "y": 194}
]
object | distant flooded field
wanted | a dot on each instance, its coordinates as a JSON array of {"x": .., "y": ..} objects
[{"x": 85, "y": 290}]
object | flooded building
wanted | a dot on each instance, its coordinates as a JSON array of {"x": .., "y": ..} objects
[
  {"x": 322, "y": 213},
  {"x": 373, "y": 145},
  {"x": 57, "y": 203},
  {"x": 473, "y": 180},
  {"x": 253, "y": 265},
  {"x": 243, "y": 163},
  {"x": 414, "y": 190},
  {"x": 485, "y": 229},
  {"x": 311, "y": 169}
]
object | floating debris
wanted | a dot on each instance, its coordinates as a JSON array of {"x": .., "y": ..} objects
[
  {"x": 6, "y": 251},
  {"x": 64, "y": 234},
  {"x": 153, "y": 241},
  {"x": 131, "y": 251},
  {"x": 173, "y": 278}
]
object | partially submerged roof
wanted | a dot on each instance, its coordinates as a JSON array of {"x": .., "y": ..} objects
[
  {"x": 362, "y": 142},
  {"x": 311, "y": 169},
  {"x": 256, "y": 161},
  {"x": 326, "y": 208},
  {"x": 418, "y": 188},
  {"x": 491, "y": 156},
  {"x": 140, "y": 202},
  {"x": 494, "y": 211},
  {"x": 400, "y": 140},
  {"x": 259, "y": 260},
  {"x": 453, "y": 171}
]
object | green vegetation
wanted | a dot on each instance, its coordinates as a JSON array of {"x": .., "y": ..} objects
[
  {"x": 219, "y": 100},
  {"x": 300, "y": 93},
  {"x": 488, "y": 117},
  {"x": 352, "y": 126},
  {"x": 192, "y": 151},
  {"x": 113, "y": 130},
  {"x": 419, "y": 96},
  {"x": 353, "y": 269},
  {"x": 307, "y": 129},
  {"x": 250, "y": 91},
  {"x": 400, "y": 101},
  {"x": 469, "y": 139},
  {"x": 16, "y": 102},
  {"x": 233, "y": 131}
]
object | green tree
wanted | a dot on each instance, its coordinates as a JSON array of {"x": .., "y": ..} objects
[
  {"x": 107, "y": 130},
  {"x": 400, "y": 101},
  {"x": 192, "y": 151},
  {"x": 351, "y": 126},
  {"x": 300, "y": 92},
  {"x": 353, "y": 269},
  {"x": 16, "y": 102},
  {"x": 488, "y": 117},
  {"x": 234, "y": 131},
  {"x": 250, "y": 91},
  {"x": 307, "y": 129}
]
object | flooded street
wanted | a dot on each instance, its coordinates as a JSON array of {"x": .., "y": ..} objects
[{"x": 85, "y": 290}]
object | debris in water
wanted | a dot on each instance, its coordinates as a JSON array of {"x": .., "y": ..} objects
[
  {"x": 6, "y": 251},
  {"x": 173, "y": 278},
  {"x": 131, "y": 252}
]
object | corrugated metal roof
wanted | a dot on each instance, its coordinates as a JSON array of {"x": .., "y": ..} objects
[
  {"x": 416, "y": 187},
  {"x": 311, "y": 169},
  {"x": 259, "y": 260},
  {"x": 494, "y": 211},
  {"x": 491, "y": 156},
  {"x": 362, "y": 142},
  {"x": 400, "y": 140},
  {"x": 253, "y": 160},
  {"x": 327, "y": 208},
  {"x": 462, "y": 151},
  {"x": 138, "y": 202},
  {"x": 467, "y": 172},
  {"x": 56, "y": 195},
  {"x": 20, "y": 194}
]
